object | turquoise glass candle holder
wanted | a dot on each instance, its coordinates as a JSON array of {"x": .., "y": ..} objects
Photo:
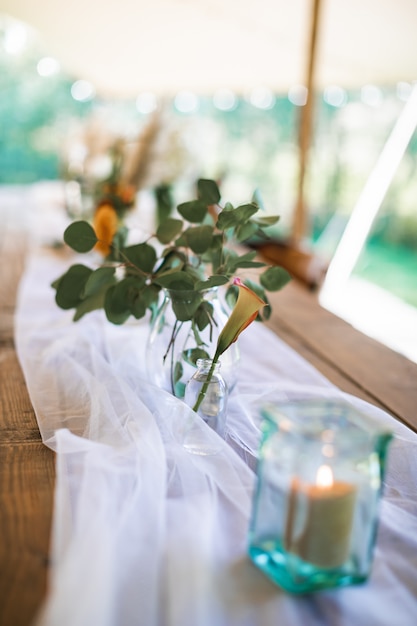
[{"x": 315, "y": 507}]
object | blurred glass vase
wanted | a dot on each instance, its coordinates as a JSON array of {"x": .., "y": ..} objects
[{"x": 185, "y": 329}]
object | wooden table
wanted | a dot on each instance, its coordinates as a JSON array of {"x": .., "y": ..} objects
[{"x": 355, "y": 363}]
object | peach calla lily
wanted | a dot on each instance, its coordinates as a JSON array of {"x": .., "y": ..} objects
[
  {"x": 105, "y": 226},
  {"x": 244, "y": 312}
]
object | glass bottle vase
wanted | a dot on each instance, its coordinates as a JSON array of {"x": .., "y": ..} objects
[
  {"x": 212, "y": 408},
  {"x": 175, "y": 344}
]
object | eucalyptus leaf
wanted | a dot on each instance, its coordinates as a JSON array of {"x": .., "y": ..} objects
[
  {"x": 90, "y": 303},
  {"x": 208, "y": 191},
  {"x": 194, "y": 211},
  {"x": 116, "y": 308},
  {"x": 138, "y": 306},
  {"x": 217, "y": 242},
  {"x": 230, "y": 219},
  {"x": 227, "y": 219},
  {"x": 199, "y": 238},
  {"x": 178, "y": 371},
  {"x": 181, "y": 241},
  {"x": 142, "y": 255},
  {"x": 203, "y": 315},
  {"x": 231, "y": 295},
  {"x": 173, "y": 259},
  {"x": 274, "y": 278},
  {"x": 214, "y": 281},
  {"x": 246, "y": 264},
  {"x": 56, "y": 282},
  {"x": 192, "y": 355},
  {"x": 267, "y": 220},
  {"x": 71, "y": 286},
  {"x": 150, "y": 295},
  {"x": 175, "y": 280},
  {"x": 185, "y": 304},
  {"x": 179, "y": 389},
  {"x": 245, "y": 231},
  {"x": 128, "y": 290},
  {"x": 233, "y": 261},
  {"x": 118, "y": 243},
  {"x": 101, "y": 277},
  {"x": 168, "y": 229},
  {"x": 258, "y": 200},
  {"x": 80, "y": 236}
]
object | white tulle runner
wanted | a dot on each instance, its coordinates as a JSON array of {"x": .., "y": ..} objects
[{"x": 147, "y": 533}]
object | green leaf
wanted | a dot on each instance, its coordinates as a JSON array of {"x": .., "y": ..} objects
[
  {"x": 194, "y": 211},
  {"x": 142, "y": 255},
  {"x": 123, "y": 299},
  {"x": 274, "y": 278},
  {"x": 232, "y": 218},
  {"x": 138, "y": 306},
  {"x": 258, "y": 200},
  {"x": 231, "y": 295},
  {"x": 185, "y": 304},
  {"x": 91, "y": 303},
  {"x": 249, "y": 264},
  {"x": 118, "y": 243},
  {"x": 56, "y": 282},
  {"x": 168, "y": 229},
  {"x": 227, "y": 219},
  {"x": 178, "y": 371},
  {"x": 150, "y": 295},
  {"x": 213, "y": 281},
  {"x": 172, "y": 260},
  {"x": 244, "y": 231},
  {"x": 80, "y": 236},
  {"x": 101, "y": 277},
  {"x": 192, "y": 355},
  {"x": 233, "y": 261},
  {"x": 208, "y": 191},
  {"x": 179, "y": 281},
  {"x": 199, "y": 238},
  {"x": 203, "y": 315},
  {"x": 115, "y": 306},
  {"x": 267, "y": 220},
  {"x": 71, "y": 285},
  {"x": 181, "y": 241},
  {"x": 217, "y": 242},
  {"x": 179, "y": 389}
]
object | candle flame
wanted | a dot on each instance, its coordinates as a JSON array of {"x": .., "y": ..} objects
[{"x": 324, "y": 476}]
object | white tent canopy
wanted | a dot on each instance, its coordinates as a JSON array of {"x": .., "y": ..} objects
[{"x": 125, "y": 47}]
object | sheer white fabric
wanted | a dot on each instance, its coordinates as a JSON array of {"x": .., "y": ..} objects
[{"x": 147, "y": 533}]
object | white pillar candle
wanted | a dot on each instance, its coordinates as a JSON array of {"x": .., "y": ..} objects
[{"x": 320, "y": 519}]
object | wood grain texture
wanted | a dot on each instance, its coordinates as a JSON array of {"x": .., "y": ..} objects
[
  {"x": 356, "y": 363},
  {"x": 26, "y": 487},
  {"x": 27, "y": 467}
]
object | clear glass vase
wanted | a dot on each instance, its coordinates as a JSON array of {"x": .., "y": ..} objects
[
  {"x": 212, "y": 408},
  {"x": 175, "y": 343}
]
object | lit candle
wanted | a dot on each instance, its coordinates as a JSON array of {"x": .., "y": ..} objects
[{"x": 320, "y": 519}]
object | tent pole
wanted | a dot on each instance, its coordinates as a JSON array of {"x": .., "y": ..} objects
[{"x": 299, "y": 226}]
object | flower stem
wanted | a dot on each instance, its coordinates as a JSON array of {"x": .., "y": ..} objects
[{"x": 206, "y": 383}]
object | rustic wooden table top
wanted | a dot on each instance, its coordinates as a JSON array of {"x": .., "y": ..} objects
[{"x": 355, "y": 363}]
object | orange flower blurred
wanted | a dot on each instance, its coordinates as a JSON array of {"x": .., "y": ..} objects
[{"x": 105, "y": 226}]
